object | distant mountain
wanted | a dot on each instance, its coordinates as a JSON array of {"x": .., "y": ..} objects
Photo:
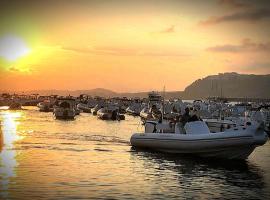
[
  {"x": 231, "y": 85},
  {"x": 93, "y": 92},
  {"x": 98, "y": 92}
]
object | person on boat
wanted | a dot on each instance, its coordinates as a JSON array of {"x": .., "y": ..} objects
[
  {"x": 194, "y": 115},
  {"x": 185, "y": 117},
  {"x": 177, "y": 122},
  {"x": 174, "y": 110},
  {"x": 155, "y": 112},
  {"x": 174, "y": 121}
]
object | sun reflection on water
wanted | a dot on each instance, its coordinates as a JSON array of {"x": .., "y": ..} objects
[{"x": 9, "y": 135}]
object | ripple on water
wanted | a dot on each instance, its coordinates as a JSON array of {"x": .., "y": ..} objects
[{"x": 91, "y": 159}]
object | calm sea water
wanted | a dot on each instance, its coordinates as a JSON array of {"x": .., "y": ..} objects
[{"x": 87, "y": 158}]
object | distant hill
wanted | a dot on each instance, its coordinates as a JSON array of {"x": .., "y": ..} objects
[
  {"x": 231, "y": 85},
  {"x": 93, "y": 92},
  {"x": 98, "y": 92}
]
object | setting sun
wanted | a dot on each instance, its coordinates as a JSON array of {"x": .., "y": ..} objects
[
  {"x": 134, "y": 99},
  {"x": 168, "y": 43},
  {"x": 12, "y": 48}
]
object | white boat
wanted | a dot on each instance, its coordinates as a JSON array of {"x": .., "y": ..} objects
[
  {"x": 45, "y": 106},
  {"x": 64, "y": 109},
  {"x": 262, "y": 114},
  {"x": 196, "y": 139},
  {"x": 84, "y": 107},
  {"x": 239, "y": 109},
  {"x": 134, "y": 108},
  {"x": 109, "y": 113},
  {"x": 100, "y": 105},
  {"x": 153, "y": 109}
]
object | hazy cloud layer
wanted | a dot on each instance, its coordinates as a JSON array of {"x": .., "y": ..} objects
[
  {"x": 171, "y": 29},
  {"x": 119, "y": 51},
  {"x": 103, "y": 50},
  {"x": 234, "y": 3},
  {"x": 26, "y": 70},
  {"x": 249, "y": 16},
  {"x": 246, "y": 46},
  {"x": 13, "y": 69},
  {"x": 253, "y": 67},
  {"x": 265, "y": 66}
]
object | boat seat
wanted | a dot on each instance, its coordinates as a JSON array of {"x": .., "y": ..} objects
[{"x": 196, "y": 127}]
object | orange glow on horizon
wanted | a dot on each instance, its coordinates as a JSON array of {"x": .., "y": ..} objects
[{"x": 109, "y": 45}]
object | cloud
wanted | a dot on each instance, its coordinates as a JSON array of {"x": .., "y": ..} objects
[
  {"x": 13, "y": 69},
  {"x": 103, "y": 50},
  {"x": 250, "y": 16},
  {"x": 117, "y": 51},
  {"x": 170, "y": 29},
  {"x": 163, "y": 54},
  {"x": 258, "y": 66},
  {"x": 76, "y": 49},
  {"x": 120, "y": 51},
  {"x": 246, "y": 46},
  {"x": 26, "y": 70},
  {"x": 234, "y": 3},
  {"x": 253, "y": 67}
]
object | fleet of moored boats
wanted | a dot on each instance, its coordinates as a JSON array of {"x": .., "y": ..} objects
[{"x": 213, "y": 128}]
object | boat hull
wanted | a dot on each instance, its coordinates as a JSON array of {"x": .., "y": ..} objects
[
  {"x": 84, "y": 108},
  {"x": 65, "y": 117},
  {"x": 104, "y": 116},
  {"x": 227, "y": 146},
  {"x": 64, "y": 114}
]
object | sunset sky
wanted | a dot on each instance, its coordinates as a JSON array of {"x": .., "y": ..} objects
[{"x": 129, "y": 46}]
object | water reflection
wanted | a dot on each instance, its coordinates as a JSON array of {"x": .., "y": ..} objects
[
  {"x": 9, "y": 124},
  {"x": 202, "y": 178},
  {"x": 1, "y": 137},
  {"x": 91, "y": 158}
]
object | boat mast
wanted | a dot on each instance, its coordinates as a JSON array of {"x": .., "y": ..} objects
[{"x": 163, "y": 103}]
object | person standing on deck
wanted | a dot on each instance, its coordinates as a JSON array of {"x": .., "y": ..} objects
[{"x": 185, "y": 117}]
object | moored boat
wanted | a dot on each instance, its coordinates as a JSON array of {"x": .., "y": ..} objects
[
  {"x": 84, "y": 108},
  {"x": 153, "y": 110},
  {"x": 45, "y": 106},
  {"x": 15, "y": 106},
  {"x": 64, "y": 108},
  {"x": 110, "y": 113},
  {"x": 195, "y": 138},
  {"x": 134, "y": 108},
  {"x": 97, "y": 107}
]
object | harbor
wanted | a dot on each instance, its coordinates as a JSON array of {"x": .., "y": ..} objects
[
  {"x": 50, "y": 150},
  {"x": 86, "y": 158},
  {"x": 134, "y": 100}
]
